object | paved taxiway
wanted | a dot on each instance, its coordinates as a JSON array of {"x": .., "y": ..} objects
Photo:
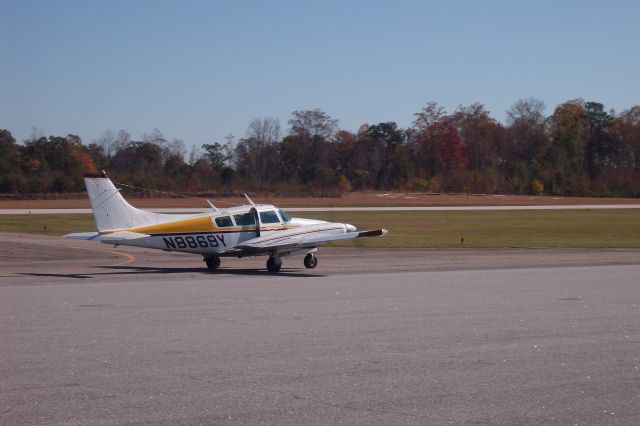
[{"x": 95, "y": 335}]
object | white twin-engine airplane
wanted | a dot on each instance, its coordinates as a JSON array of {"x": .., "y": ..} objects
[{"x": 249, "y": 230}]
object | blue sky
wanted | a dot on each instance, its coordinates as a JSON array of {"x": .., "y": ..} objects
[{"x": 199, "y": 70}]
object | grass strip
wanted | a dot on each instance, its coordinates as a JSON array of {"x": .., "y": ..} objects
[{"x": 414, "y": 229}]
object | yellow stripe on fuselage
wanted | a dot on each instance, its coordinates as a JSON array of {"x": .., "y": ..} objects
[{"x": 195, "y": 224}]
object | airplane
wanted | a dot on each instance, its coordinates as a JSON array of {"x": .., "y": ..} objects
[{"x": 241, "y": 231}]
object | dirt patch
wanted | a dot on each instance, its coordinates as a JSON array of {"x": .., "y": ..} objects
[{"x": 354, "y": 199}]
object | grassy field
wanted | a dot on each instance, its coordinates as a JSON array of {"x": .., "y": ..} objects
[
  {"x": 533, "y": 228},
  {"x": 526, "y": 228},
  {"x": 53, "y": 224}
]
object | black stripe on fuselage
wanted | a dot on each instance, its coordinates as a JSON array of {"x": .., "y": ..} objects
[
  {"x": 166, "y": 234},
  {"x": 311, "y": 231}
]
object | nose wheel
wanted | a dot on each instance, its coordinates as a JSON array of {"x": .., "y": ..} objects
[
  {"x": 310, "y": 261},
  {"x": 273, "y": 265}
]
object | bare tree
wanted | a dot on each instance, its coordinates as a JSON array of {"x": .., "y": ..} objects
[
  {"x": 264, "y": 130},
  {"x": 107, "y": 142},
  {"x": 311, "y": 123},
  {"x": 156, "y": 137},
  {"x": 36, "y": 133},
  {"x": 530, "y": 109},
  {"x": 194, "y": 155},
  {"x": 122, "y": 140},
  {"x": 431, "y": 114},
  {"x": 229, "y": 142},
  {"x": 176, "y": 147}
]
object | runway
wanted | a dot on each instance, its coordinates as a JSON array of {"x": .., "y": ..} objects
[{"x": 96, "y": 335}]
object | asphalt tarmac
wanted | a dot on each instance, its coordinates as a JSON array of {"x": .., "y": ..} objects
[{"x": 91, "y": 334}]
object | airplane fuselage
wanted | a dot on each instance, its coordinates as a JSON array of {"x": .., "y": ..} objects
[{"x": 218, "y": 233}]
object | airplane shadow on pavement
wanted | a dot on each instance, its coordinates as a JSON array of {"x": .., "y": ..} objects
[
  {"x": 77, "y": 276},
  {"x": 222, "y": 271},
  {"x": 150, "y": 270}
]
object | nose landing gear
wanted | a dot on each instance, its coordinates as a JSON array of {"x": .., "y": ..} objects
[{"x": 274, "y": 264}]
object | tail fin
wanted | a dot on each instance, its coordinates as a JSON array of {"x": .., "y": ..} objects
[{"x": 111, "y": 210}]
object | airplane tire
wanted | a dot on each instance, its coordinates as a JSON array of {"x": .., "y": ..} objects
[
  {"x": 272, "y": 266},
  {"x": 213, "y": 263},
  {"x": 310, "y": 261}
]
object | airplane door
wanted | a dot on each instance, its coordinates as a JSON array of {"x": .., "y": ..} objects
[{"x": 256, "y": 218}]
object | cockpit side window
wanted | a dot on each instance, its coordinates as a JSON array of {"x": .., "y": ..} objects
[
  {"x": 245, "y": 219},
  {"x": 269, "y": 217},
  {"x": 285, "y": 217},
  {"x": 223, "y": 221}
]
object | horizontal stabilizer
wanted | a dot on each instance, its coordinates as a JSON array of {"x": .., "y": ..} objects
[
  {"x": 82, "y": 236},
  {"x": 113, "y": 237}
]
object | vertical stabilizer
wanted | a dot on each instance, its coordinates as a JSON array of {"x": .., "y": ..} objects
[{"x": 111, "y": 210}]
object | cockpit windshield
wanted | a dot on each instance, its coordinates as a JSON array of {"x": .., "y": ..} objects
[
  {"x": 269, "y": 217},
  {"x": 285, "y": 217}
]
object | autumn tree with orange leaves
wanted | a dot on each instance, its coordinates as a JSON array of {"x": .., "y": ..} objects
[{"x": 580, "y": 149}]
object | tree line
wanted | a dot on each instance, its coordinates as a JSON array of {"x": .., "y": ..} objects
[{"x": 580, "y": 149}]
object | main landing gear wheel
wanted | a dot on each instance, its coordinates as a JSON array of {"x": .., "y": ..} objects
[
  {"x": 272, "y": 265},
  {"x": 310, "y": 261},
  {"x": 213, "y": 263}
]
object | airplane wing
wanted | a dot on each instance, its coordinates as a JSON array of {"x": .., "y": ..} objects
[{"x": 305, "y": 237}]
